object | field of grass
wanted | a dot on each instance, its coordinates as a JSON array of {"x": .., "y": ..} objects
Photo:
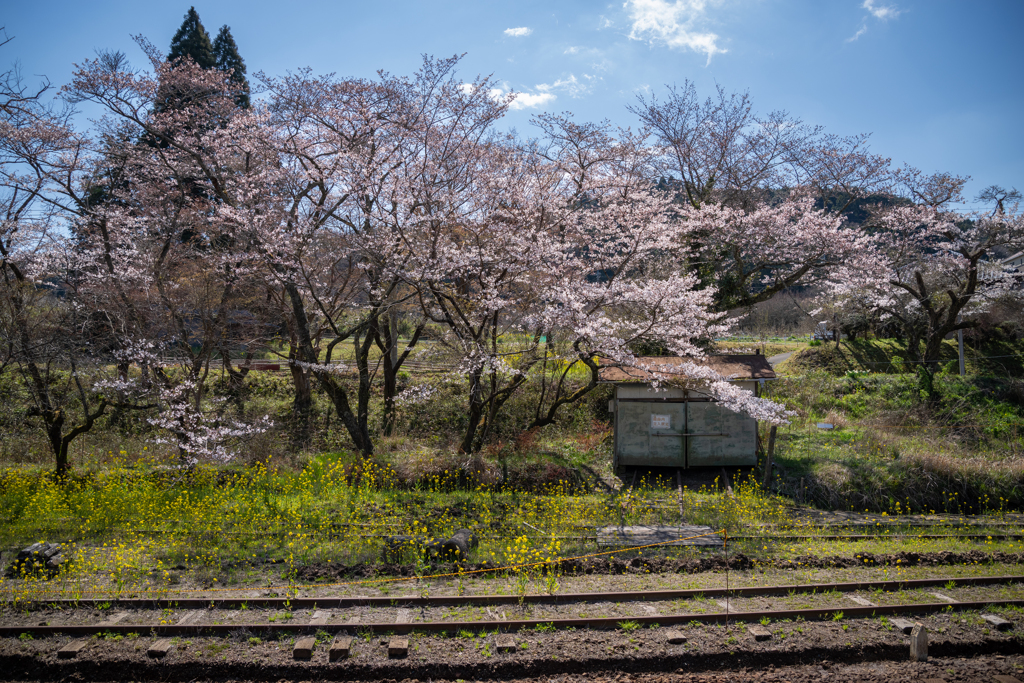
[
  {"x": 891, "y": 447},
  {"x": 138, "y": 527}
]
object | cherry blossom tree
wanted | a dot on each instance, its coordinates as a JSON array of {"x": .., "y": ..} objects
[
  {"x": 565, "y": 239},
  {"x": 933, "y": 271},
  {"x": 57, "y": 344},
  {"x": 365, "y": 159},
  {"x": 766, "y": 192},
  {"x": 169, "y": 254},
  {"x": 198, "y": 229},
  {"x": 765, "y": 250}
]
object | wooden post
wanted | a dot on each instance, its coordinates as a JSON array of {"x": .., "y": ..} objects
[
  {"x": 919, "y": 643},
  {"x": 768, "y": 460},
  {"x": 679, "y": 493}
]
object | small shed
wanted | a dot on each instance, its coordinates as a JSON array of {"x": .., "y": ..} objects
[{"x": 683, "y": 428}]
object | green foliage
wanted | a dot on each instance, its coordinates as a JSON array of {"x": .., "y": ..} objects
[{"x": 926, "y": 382}]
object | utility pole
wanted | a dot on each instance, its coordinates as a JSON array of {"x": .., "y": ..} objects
[
  {"x": 960, "y": 346},
  {"x": 960, "y": 343}
]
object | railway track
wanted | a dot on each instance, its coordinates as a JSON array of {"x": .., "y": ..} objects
[
  {"x": 170, "y": 630},
  {"x": 198, "y": 620},
  {"x": 325, "y": 641},
  {"x": 542, "y": 598}
]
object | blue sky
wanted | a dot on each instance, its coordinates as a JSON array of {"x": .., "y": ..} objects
[{"x": 938, "y": 83}]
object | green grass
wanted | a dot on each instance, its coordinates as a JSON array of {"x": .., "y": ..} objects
[
  {"x": 894, "y": 446},
  {"x": 129, "y": 529}
]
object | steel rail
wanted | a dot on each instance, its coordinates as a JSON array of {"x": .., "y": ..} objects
[
  {"x": 882, "y": 537},
  {"x": 164, "y": 630},
  {"x": 853, "y": 538},
  {"x": 328, "y": 602}
]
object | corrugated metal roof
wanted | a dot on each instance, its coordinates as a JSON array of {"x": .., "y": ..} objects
[{"x": 729, "y": 366}]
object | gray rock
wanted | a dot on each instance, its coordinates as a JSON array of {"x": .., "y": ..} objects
[{"x": 38, "y": 557}]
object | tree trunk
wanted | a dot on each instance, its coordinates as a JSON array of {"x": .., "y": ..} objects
[
  {"x": 334, "y": 390},
  {"x": 933, "y": 352},
  {"x": 913, "y": 344},
  {"x": 386, "y": 337},
  {"x": 54, "y": 429},
  {"x": 559, "y": 400},
  {"x": 236, "y": 379},
  {"x": 768, "y": 459},
  {"x": 476, "y": 411},
  {"x": 393, "y": 329},
  {"x": 390, "y": 390},
  {"x": 339, "y": 398},
  {"x": 362, "y": 349},
  {"x": 302, "y": 403},
  {"x": 387, "y": 341}
]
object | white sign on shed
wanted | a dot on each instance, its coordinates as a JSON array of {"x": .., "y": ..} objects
[{"x": 661, "y": 421}]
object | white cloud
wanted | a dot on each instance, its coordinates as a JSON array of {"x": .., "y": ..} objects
[
  {"x": 571, "y": 50},
  {"x": 858, "y": 34},
  {"x": 525, "y": 100},
  {"x": 520, "y": 32},
  {"x": 572, "y": 85},
  {"x": 673, "y": 24},
  {"x": 880, "y": 12},
  {"x": 883, "y": 12}
]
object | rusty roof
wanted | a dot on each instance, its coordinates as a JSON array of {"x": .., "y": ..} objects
[{"x": 732, "y": 367}]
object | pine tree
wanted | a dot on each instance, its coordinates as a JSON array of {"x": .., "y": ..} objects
[
  {"x": 228, "y": 60},
  {"x": 193, "y": 41}
]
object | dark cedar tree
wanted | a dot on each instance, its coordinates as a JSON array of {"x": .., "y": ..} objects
[
  {"x": 225, "y": 51},
  {"x": 193, "y": 41}
]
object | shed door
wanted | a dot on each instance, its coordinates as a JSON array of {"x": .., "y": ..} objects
[
  {"x": 650, "y": 434},
  {"x": 632, "y": 435},
  {"x": 667, "y": 426},
  {"x": 719, "y": 437}
]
